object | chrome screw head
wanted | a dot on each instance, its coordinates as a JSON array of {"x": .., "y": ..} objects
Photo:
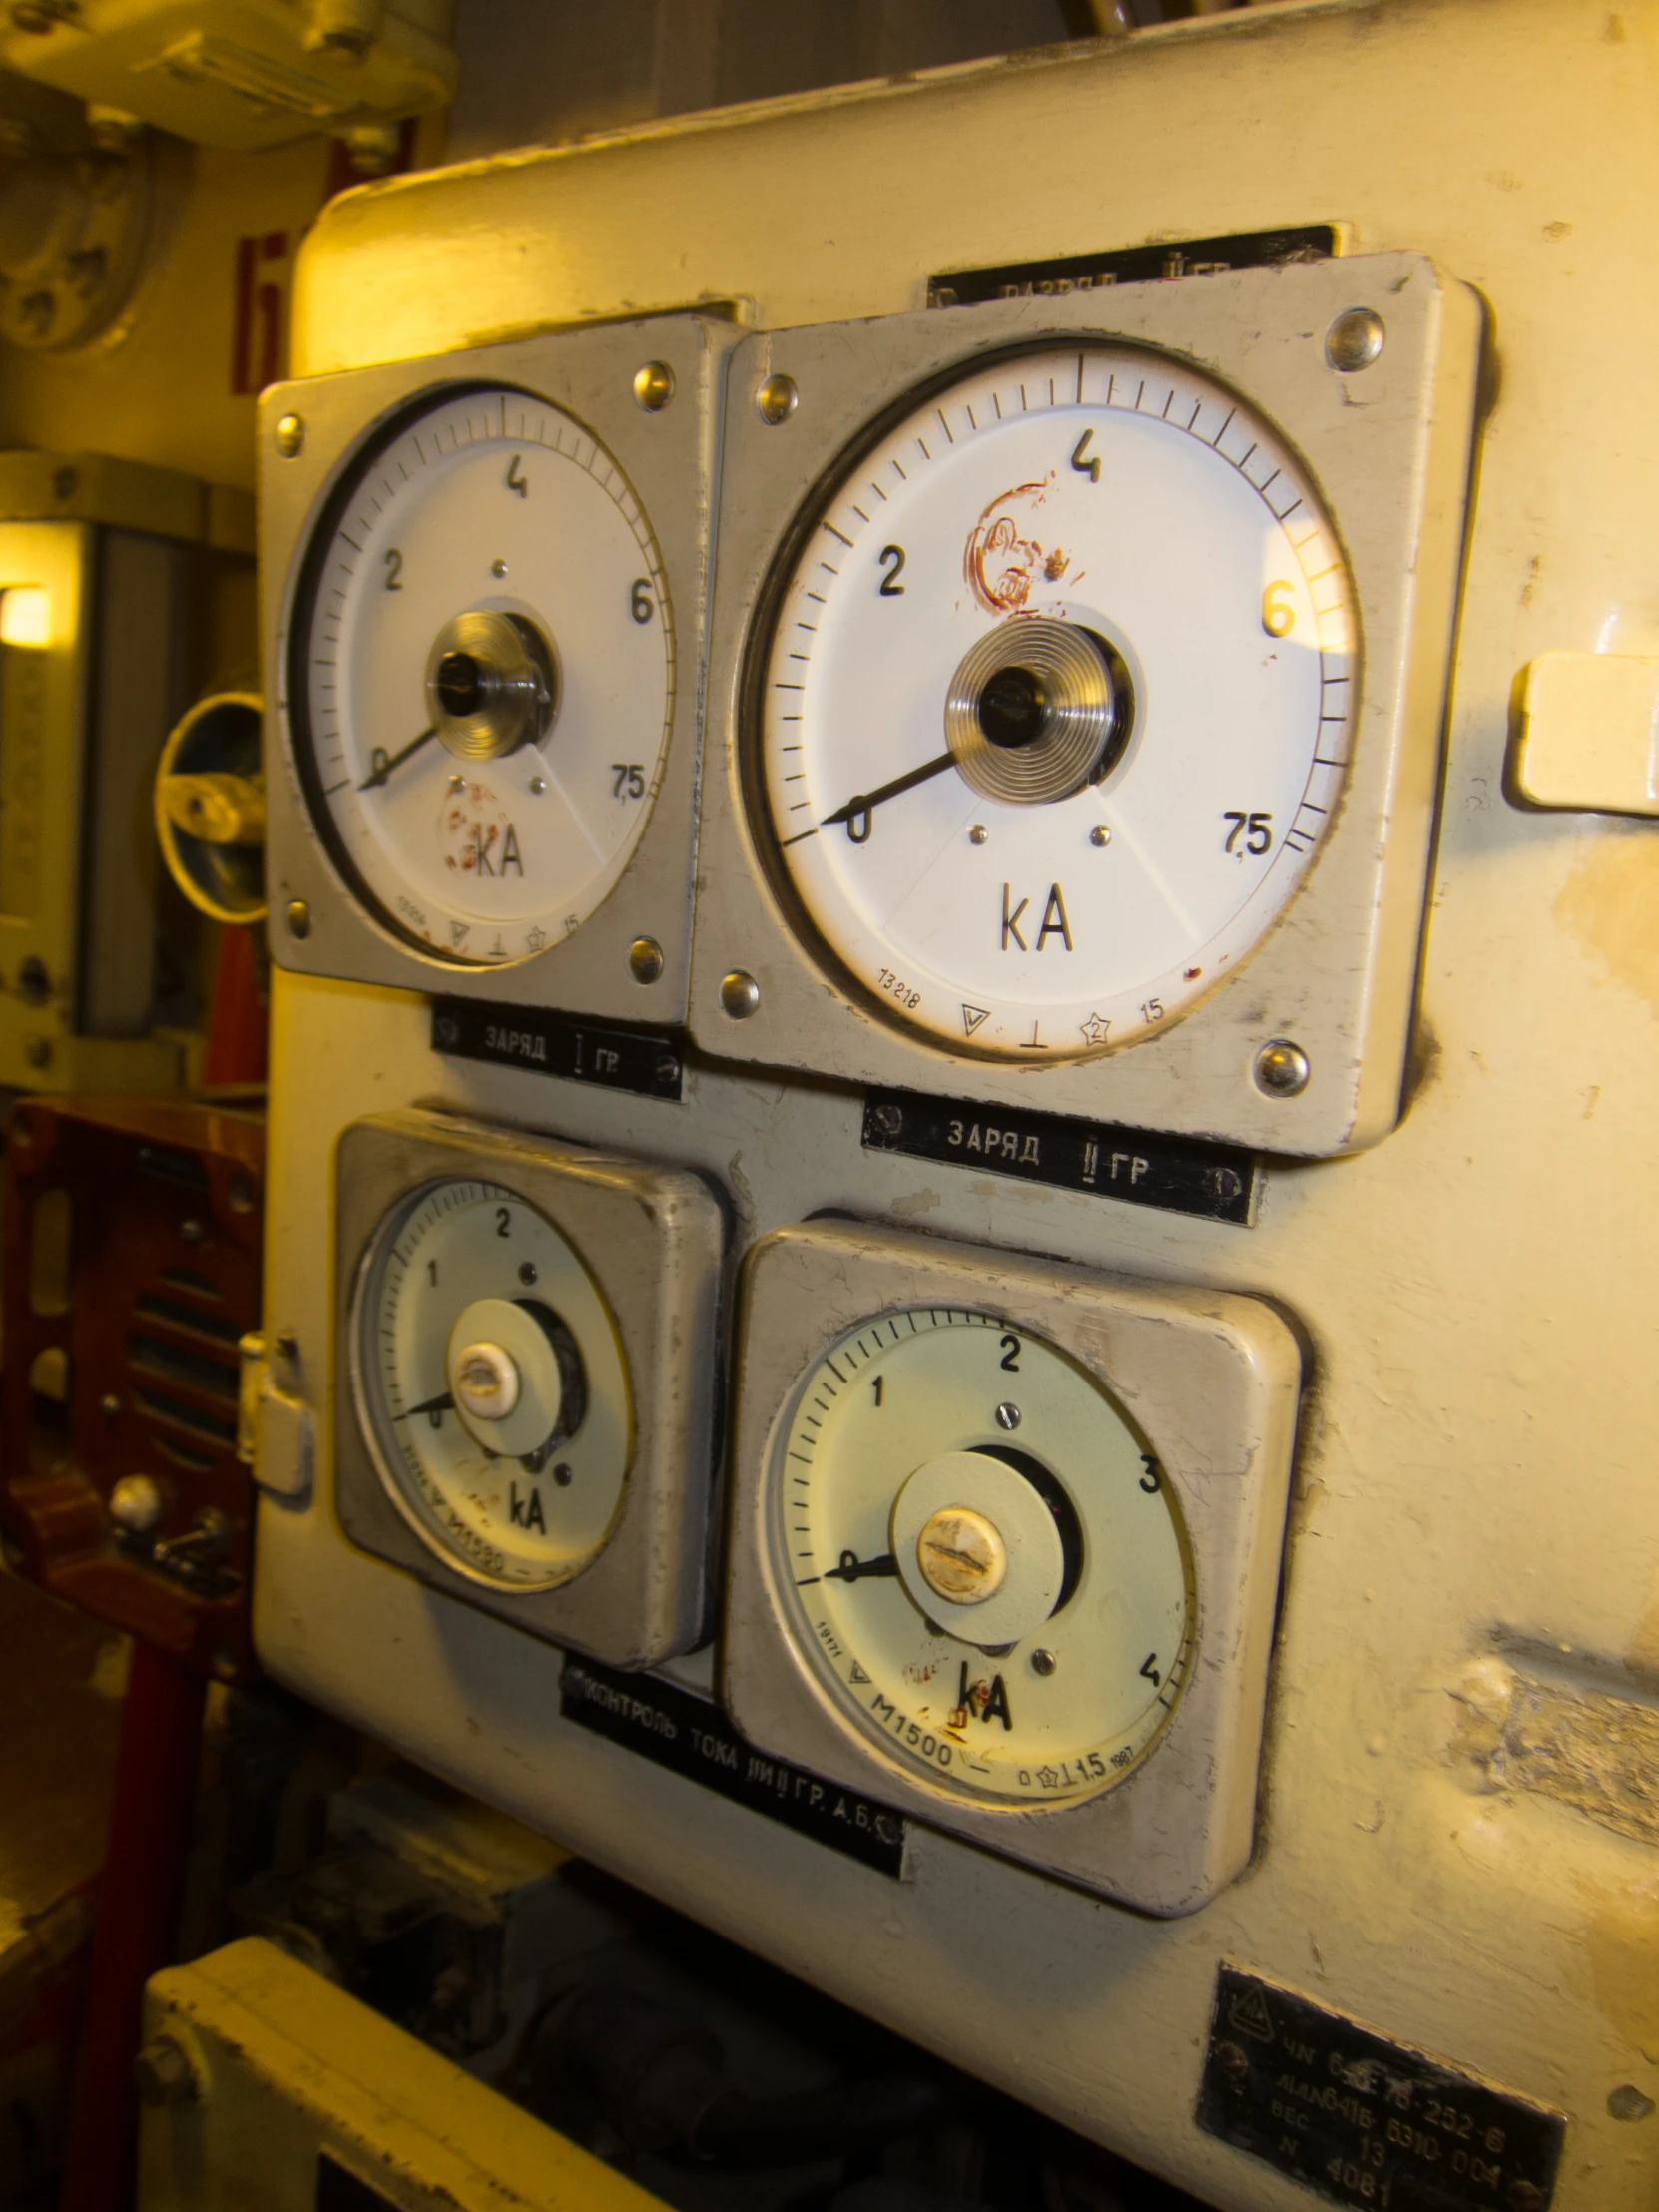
[
  {"x": 498, "y": 568},
  {"x": 644, "y": 961},
  {"x": 1280, "y": 1069},
  {"x": 300, "y": 918},
  {"x": 1100, "y": 834},
  {"x": 538, "y": 783},
  {"x": 1043, "y": 1662},
  {"x": 654, "y": 387},
  {"x": 1007, "y": 1415},
  {"x": 1355, "y": 339},
  {"x": 978, "y": 834},
  {"x": 776, "y": 400},
  {"x": 291, "y": 436},
  {"x": 739, "y": 994}
]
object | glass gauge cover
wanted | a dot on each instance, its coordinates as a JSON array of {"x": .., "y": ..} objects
[
  {"x": 491, "y": 1386},
  {"x": 481, "y": 676},
  {"x": 983, "y": 1563},
  {"x": 1055, "y": 702}
]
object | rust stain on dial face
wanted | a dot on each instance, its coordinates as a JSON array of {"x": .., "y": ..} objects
[{"x": 1004, "y": 557}]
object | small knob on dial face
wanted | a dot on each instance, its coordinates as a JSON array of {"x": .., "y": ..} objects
[
  {"x": 961, "y": 1556},
  {"x": 487, "y": 1381}
]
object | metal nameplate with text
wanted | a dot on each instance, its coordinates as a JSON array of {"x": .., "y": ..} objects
[
  {"x": 553, "y": 1044},
  {"x": 690, "y": 1736},
  {"x": 1215, "y": 1182},
  {"x": 1364, "y": 2120},
  {"x": 1132, "y": 264}
]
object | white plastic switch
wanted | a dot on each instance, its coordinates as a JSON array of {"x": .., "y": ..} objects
[{"x": 1589, "y": 735}]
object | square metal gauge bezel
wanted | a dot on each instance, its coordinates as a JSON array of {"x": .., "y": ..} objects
[
  {"x": 1388, "y": 448},
  {"x": 1210, "y": 1377},
  {"x": 651, "y": 1239},
  {"x": 668, "y": 458}
]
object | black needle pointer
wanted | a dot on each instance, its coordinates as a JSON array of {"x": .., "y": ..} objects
[
  {"x": 852, "y": 1567},
  {"x": 861, "y": 802},
  {"x": 385, "y": 763},
  {"x": 443, "y": 1405}
]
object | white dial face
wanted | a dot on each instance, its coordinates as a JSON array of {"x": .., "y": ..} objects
[
  {"x": 985, "y": 1566},
  {"x": 482, "y": 676},
  {"x": 1057, "y": 701},
  {"x": 491, "y": 1385}
]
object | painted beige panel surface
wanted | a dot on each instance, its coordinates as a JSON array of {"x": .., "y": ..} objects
[{"x": 1479, "y": 1292}]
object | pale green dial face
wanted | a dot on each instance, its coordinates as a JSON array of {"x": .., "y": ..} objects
[
  {"x": 492, "y": 1384},
  {"x": 985, "y": 1565}
]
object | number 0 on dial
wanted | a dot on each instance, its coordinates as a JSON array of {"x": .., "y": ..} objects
[{"x": 1055, "y": 704}]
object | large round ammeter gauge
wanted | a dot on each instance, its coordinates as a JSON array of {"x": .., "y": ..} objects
[
  {"x": 984, "y": 1565},
  {"x": 490, "y": 1384},
  {"x": 481, "y": 676},
  {"x": 1052, "y": 709}
]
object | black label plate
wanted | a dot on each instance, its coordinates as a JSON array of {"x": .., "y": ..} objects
[
  {"x": 1132, "y": 264},
  {"x": 553, "y": 1044},
  {"x": 1365, "y": 2122},
  {"x": 681, "y": 1731},
  {"x": 1216, "y": 1182}
]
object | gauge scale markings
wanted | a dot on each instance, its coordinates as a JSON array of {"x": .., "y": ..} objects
[
  {"x": 1169, "y": 901},
  {"x": 492, "y": 857},
  {"x": 1114, "y": 1643}
]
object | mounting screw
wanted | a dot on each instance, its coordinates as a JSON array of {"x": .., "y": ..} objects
[
  {"x": 889, "y": 1119},
  {"x": 978, "y": 834},
  {"x": 645, "y": 956},
  {"x": 1281, "y": 1068},
  {"x": 739, "y": 994},
  {"x": 1100, "y": 834},
  {"x": 1355, "y": 339},
  {"x": 1007, "y": 1415},
  {"x": 136, "y": 1503},
  {"x": 562, "y": 1474},
  {"x": 527, "y": 1271},
  {"x": 291, "y": 436},
  {"x": 164, "y": 2075},
  {"x": 776, "y": 400},
  {"x": 1043, "y": 1662},
  {"x": 654, "y": 387},
  {"x": 498, "y": 569},
  {"x": 667, "y": 1068},
  {"x": 300, "y": 918}
]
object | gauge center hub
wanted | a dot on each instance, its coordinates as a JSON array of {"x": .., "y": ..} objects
[
  {"x": 487, "y": 1382},
  {"x": 978, "y": 1548},
  {"x": 491, "y": 684},
  {"x": 504, "y": 1376},
  {"x": 1037, "y": 710},
  {"x": 961, "y": 1556}
]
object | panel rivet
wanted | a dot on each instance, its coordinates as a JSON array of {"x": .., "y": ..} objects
[
  {"x": 776, "y": 400},
  {"x": 739, "y": 994},
  {"x": 1355, "y": 339},
  {"x": 300, "y": 918},
  {"x": 978, "y": 834},
  {"x": 654, "y": 387},
  {"x": 645, "y": 960},
  {"x": 1281, "y": 1068},
  {"x": 1043, "y": 1662},
  {"x": 1100, "y": 834},
  {"x": 291, "y": 436},
  {"x": 1007, "y": 1415}
]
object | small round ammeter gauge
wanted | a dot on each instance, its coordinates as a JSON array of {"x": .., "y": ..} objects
[
  {"x": 490, "y": 1386},
  {"x": 481, "y": 676},
  {"x": 1054, "y": 705},
  {"x": 984, "y": 1565}
]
